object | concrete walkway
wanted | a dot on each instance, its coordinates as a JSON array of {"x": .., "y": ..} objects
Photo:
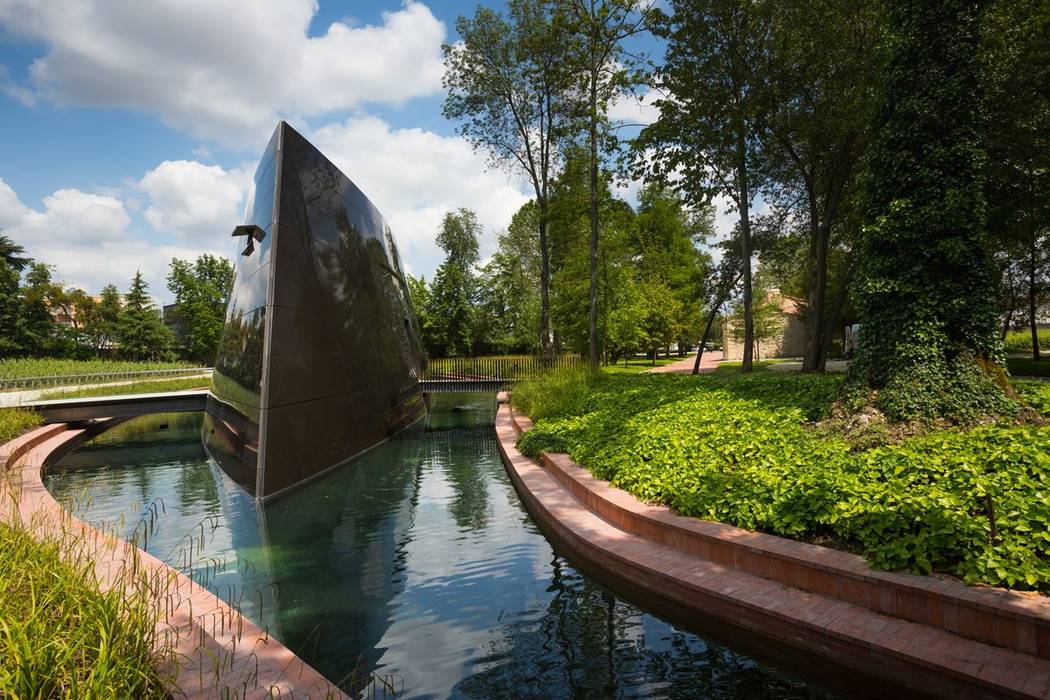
[{"x": 708, "y": 363}]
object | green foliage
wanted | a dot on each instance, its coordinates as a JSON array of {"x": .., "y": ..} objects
[
  {"x": 201, "y": 289},
  {"x": 60, "y": 636},
  {"x": 1021, "y": 341},
  {"x": 140, "y": 330},
  {"x": 956, "y": 390},
  {"x": 558, "y": 393},
  {"x": 740, "y": 449},
  {"x": 1035, "y": 394},
  {"x": 15, "y": 421},
  {"x": 143, "y": 387},
  {"x": 925, "y": 284}
]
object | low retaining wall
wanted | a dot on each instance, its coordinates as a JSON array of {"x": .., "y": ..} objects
[
  {"x": 923, "y": 634},
  {"x": 206, "y": 648}
]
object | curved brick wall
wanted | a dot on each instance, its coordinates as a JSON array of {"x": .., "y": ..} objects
[
  {"x": 922, "y": 634},
  {"x": 206, "y": 648}
]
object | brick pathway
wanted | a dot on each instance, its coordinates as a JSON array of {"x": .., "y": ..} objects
[
  {"x": 708, "y": 363},
  {"x": 206, "y": 648}
]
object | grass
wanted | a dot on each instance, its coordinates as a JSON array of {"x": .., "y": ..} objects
[
  {"x": 757, "y": 365},
  {"x": 60, "y": 636},
  {"x": 1027, "y": 367},
  {"x": 48, "y": 367},
  {"x": 1021, "y": 341},
  {"x": 636, "y": 365},
  {"x": 752, "y": 451},
  {"x": 15, "y": 421},
  {"x": 143, "y": 387}
]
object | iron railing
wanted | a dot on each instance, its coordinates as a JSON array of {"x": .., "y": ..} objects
[{"x": 98, "y": 377}]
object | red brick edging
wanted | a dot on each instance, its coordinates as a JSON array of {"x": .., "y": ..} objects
[
  {"x": 921, "y": 634},
  {"x": 206, "y": 649}
]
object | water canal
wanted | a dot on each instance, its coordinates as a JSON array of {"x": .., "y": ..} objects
[{"x": 416, "y": 565}]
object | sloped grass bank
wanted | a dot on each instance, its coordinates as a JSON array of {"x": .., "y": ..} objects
[
  {"x": 143, "y": 387},
  {"x": 15, "y": 421},
  {"x": 60, "y": 636},
  {"x": 744, "y": 450}
]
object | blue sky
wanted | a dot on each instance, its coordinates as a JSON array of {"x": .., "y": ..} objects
[{"x": 130, "y": 129}]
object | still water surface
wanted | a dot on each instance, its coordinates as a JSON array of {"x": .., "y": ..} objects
[{"x": 417, "y": 564}]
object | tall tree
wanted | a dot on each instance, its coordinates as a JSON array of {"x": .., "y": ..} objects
[
  {"x": 709, "y": 126},
  {"x": 819, "y": 70},
  {"x": 201, "y": 290},
  {"x": 141, "y": 332},
  {"x": 452, "y": 292},
  {"x": 925, "y": 291},
  {"x": 510, "y": 286},
  {"x": 37, "y": 329},
  {"x": 12, "y": 262},
  {"x": 602, "y": 26},
  {"x": 508, "y": 84},
  {"x": 102, "y": 324},
  {"x": 1017, "y": 72},
  {"x": 12, "y": 254}
]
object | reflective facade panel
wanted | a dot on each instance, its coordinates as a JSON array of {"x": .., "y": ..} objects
[{"x": 320, "y": 357}]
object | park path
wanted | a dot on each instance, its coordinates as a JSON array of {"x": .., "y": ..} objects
[{"x": 708, "y": 363}]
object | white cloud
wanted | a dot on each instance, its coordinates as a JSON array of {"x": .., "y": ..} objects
[
  {"x": 223, "y": 70},
  {"x": 197, "y": 203},
  {"x": 414, "y": 176},
  {"x": 635, "y": 109},
  {"x": 87, "y": 237}
]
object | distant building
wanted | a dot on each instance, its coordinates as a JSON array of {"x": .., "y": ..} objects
[{"x": 789, "y": 341}]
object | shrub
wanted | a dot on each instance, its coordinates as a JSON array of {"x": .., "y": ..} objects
[{"x": 1021, "y": 341}]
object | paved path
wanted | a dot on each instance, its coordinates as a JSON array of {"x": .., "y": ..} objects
[{"x": 708, "y": 363}]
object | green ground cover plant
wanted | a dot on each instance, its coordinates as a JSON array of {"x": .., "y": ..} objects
[
  {"x": 1021, "y": 341},
  {"x": 745, "y": 450},
  {"x": 1027, "y": 367},
  {"x": 143, "y": 387},
  {"x": 1035, "y": 393},
  {"x": 15, "y": 421},
  {"x": 49, "y": 367},
  {"x": 60, "y": 637}
]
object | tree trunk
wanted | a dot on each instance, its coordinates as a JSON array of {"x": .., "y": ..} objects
[
  {"x": 592, "y": 326},
  {"x": 1032, "y": 279},
  {"x": 818, "y": 288},
  {"x": 745, "y": 246},
  {"x": 836, "y": 310},
  {"x": 545, "y": 281},
  {"x": 703, "y": 340}
]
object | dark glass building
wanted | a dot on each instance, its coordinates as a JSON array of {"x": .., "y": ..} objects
[{"x": 320, "y": 354}]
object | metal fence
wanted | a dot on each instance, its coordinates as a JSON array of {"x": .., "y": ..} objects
[
  {"x": 507, "y": 368},
  {"x": 99, "y": 378}
]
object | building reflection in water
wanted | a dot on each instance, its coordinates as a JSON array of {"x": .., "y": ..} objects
[{"x": 416, "y": 563}]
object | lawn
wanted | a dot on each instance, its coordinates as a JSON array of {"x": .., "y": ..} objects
[
  {"x": 636, "y": 365},
  {"x": 748, "y": 450},
  {"x": 143, "y": 387},
  {"x": 1027, "y": 367},
  {"x": 47, "y": 367}
]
